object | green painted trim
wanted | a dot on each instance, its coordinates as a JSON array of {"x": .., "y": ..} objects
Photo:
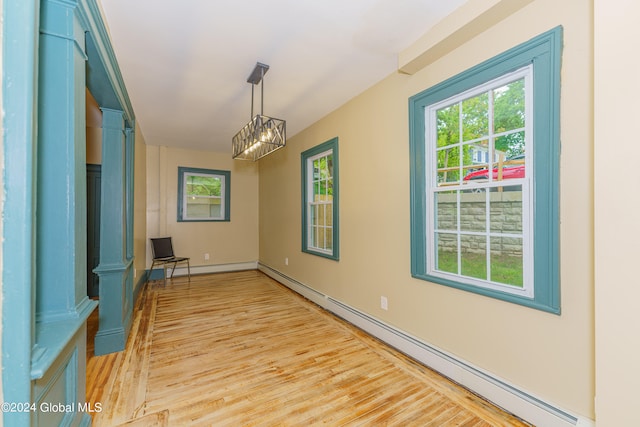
[
  {"x": 227, "y": 192},
  {"x": 545, "y": 53},
  {"x": 332, "y": 145},
  {"x": 19, "y": 99}
]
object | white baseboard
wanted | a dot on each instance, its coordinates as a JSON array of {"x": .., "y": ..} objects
[
  {"x": 507, "y": 396},
  {"x": 216, "y": 268}
]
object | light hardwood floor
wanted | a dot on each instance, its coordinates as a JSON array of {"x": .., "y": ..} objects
[{"x": 239, "y": 349}]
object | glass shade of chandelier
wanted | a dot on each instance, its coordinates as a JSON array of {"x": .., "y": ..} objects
[{"x": 262, "y": 135}]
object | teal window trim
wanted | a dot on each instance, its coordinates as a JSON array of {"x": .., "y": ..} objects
[
  {"x": 226, "y": 196},
  {"x": 330, "y": 145},
  {"x": 544, "y": 52}
]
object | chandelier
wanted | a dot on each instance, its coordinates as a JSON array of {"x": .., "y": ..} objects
[{"x": 263, "y": 134}]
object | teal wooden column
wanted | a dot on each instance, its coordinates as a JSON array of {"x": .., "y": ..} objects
[
  {"x": 129, "y": 186},
  {"x": 58, "y": 362},
  {"x": 130, "y": 163},
  {"x": 61, "y": 164},
  {"x": 19, "y": 105},
  {"x": 116, "y": 304}
]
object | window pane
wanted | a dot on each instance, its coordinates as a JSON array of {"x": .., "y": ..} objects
[
  {"x": 322, "y": 218},
  {"x": 329, "y": 214},
  {"x": 447, "y": 247},
  {"x": 203, "y": 208},
  {"x": 511, "y": 145},
  {"x": 474, "y": 256},
  {"x": 313, "y": 236},
  {"x": 313, "y": 214},
  {"x": 470, "y": 154},
  {"x": 481, "y": 122},
  {"x": 475, "y": 117},
  {"x": 316, "y": 170},
  {"x": 448, "y": 126},
  {"x": 509, "y": 112},
  {"x": 506, "y": 210},
  {"x": 446, "y": 207},
  {"x": 473, "y": 210},
  {"x": 507, "y": 261},
  {"x": 203, "y": 194},
  {"x": 329, "y": 167},
  {"x": 328, "y": 238},
  {"x": 448, "y": 165},
  {"x": 320, "y": 236},
  {"x": 203, "y": 185},
  {"x": 510, "y": 163}
]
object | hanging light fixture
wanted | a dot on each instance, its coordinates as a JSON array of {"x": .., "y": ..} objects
[{"x": 263, "y": 134}]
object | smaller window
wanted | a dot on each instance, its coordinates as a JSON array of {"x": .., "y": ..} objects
[
  {"x": 320, "y": 200},
  {"x": 203, "y": 194}
]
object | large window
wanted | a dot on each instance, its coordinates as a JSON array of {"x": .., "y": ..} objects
[
  {"x": 320, "y": 200},
  {"x": 484, "y": 175},
  {"x": 203, "y": 194}
]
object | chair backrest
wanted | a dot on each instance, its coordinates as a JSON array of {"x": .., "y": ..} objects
[{"x": 162, "y": 247}]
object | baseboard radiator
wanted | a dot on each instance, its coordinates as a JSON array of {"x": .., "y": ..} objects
[
  {"x": 213, "y": 268},
  {"x": 507, "y": 396}
]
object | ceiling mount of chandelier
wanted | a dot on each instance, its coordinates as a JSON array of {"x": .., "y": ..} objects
[{"x": 262, "y": 134}]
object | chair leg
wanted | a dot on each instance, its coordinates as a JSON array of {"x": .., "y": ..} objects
[
  {"x": 164, "y": 267},
  {"x": 173, "y": 269},
  {"x": 189, "y": 270}
]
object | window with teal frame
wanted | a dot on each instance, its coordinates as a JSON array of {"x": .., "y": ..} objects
[
  {"x": 320, "y": 202},
  {"x": 203, "y": 194},
  {"x": 485, "y": 152}
]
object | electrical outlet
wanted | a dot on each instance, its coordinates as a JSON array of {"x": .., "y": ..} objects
[
  {"x": 206, "y": 257},
  {"x": 384, "y": 304},
  {"x": 286, "y": 261}
]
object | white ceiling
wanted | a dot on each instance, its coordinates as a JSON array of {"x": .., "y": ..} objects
[{"x": 186, "y": 63}]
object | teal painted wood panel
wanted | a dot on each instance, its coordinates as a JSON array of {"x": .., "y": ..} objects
[
  {"x": 61, "y": 196},
  {"x": 45, "y": 59},
  {"x": 59, "y": 395},
  {"x": 19, "y": 99},
  {"x": 115, "y": 268}
]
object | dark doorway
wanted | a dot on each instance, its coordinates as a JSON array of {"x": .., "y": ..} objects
[{"x": 94, "y": 173}]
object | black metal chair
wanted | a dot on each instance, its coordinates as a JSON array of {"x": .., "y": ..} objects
[{"x": 163, "y": 255}]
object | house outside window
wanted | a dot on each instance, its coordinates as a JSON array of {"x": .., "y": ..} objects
[
  {"x": 203, "y": 194},
  {"x": 320, "y": 203},
  {"x": 484, "y": 175}
]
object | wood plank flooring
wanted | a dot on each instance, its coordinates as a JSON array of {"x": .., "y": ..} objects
[{"x": 239, "y": 349}]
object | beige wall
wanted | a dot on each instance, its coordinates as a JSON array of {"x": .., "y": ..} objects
[
  {"x": 547, "y": 355},
  {"x": 617, "y": 211},
  {"x": 139, "y": 205},
  {"x": 230, "y": 242},
  {"x": 94, "y": 130}
]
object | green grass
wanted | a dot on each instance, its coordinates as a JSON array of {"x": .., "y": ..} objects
[{"x": 504, "y": 269}]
